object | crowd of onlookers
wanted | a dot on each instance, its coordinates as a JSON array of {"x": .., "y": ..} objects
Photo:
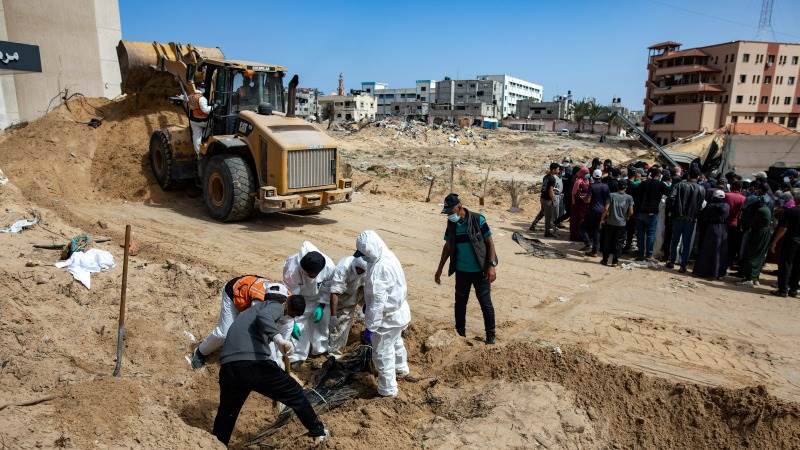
[{"x": 723, "y": 225}]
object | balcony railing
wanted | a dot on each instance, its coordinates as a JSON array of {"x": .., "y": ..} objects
[
  {"x": 688, "y": 68},
  {"x": 688, "y": 89}
]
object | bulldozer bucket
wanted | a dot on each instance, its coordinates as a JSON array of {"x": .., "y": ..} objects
[{"x": 142, "y": 65}]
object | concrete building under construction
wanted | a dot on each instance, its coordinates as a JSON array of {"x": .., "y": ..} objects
[
  {"x": 706, "y": 88},
  {"x": 472, "y": 99}
]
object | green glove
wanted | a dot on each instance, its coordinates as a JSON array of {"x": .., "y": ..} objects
[
  {"x": 318, "y": 311},
  {"x": 296, "y": 331}
]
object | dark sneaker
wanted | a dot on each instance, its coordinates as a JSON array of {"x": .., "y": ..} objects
[
  {"x": 198, "y": 360},
  {"x": 640, "y": 258},
  {"x": 322, "y": 438},
  {"x": 604, "y": 262},
  {"x": 670, "y": 265},
  {"x": 793, "y": 294},
  {"x": 779, "y": 294},
  {"x": 489, "y": 340},
  {"x": 683, "y": 269}
]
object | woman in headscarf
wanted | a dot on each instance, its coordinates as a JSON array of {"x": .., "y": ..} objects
[
  {"x": 580, "y": 204},
  {"x": 712, "y": 257},
  {"x": 756, "y": 220}
]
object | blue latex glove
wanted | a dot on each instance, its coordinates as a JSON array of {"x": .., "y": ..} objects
[
  {"x": 366, "y": 337},
  {"x": 318, "y": 311},
  {"x": 296, "y": 331}
]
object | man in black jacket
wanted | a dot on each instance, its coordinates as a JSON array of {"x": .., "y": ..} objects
[
  {"x": 687, "y": 200},
  {"x": 649, "y": 194},
  {"x": 469, "y": 246}
]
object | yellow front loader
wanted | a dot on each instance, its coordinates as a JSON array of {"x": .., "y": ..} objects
[{"x": 254, "y": 152}]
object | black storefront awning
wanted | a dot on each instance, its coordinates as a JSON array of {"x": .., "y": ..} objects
[{"x": 19, "y": 58}]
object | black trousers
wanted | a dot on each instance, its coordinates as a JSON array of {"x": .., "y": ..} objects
[
  {"x": 734, "y": 244},
  {"x": 630, "y": 231},
  {"x": 237, "y": 379},
  {"x": 483, "y": 290},
  {"x": 789, "y": 266},
  {"x": 613, "y": 241}
]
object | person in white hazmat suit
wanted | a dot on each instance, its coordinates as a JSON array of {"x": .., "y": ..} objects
[
  {"x": 387, "y": 312},
  {"x": 308, "y": 273},
  {"x": 345, "y": 289}
]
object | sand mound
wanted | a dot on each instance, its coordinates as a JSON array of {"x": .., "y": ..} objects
[{"x": 59, "y": 158}]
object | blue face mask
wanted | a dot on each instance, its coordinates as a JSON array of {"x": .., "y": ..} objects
[{"x": 453, "y": 218}]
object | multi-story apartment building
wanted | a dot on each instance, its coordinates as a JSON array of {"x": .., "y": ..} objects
[
  {"x": 354, "y": 107},
  {"x": 705, "y": 88},
  {"x": 466, "y": 98},
  {"x": 561, "y": 108},
  {"x": 403, "y": 102},
  {"x": 513, "y": 90},
  {"x": 307, "y": 102}
]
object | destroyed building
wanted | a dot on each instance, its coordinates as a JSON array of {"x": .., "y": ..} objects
[
  {"x": 706, "y": 88},
  {"x": 401, "y": 102},
  {"x": 307, "y": 103},
  {"x": 356, "y": 106},
  {"x": 514, "y": 90},
  {"x": 560, "y": 108},
  {"x": 470, "y": 99}
]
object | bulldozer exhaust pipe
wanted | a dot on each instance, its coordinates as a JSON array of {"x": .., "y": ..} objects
[{"x": 292, "y": 96}]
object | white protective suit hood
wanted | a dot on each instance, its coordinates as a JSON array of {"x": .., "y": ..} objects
[
  {"x": 385, "y": 284},
  {"x": 298, "y": 282},
  {"x": 346, "y": 280}
]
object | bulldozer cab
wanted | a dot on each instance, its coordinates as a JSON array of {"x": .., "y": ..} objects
[{"x": 238, "y": 86}]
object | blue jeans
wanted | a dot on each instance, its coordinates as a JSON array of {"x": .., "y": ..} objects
[
  {"x": 682, "y": 230},
  {"x": 646, "y": 224}
]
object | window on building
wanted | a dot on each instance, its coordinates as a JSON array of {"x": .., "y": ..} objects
[
  {"x": 742, "y": 78},
  {"x": 787, "y": 100},
  {"x": 767, "y": 79},
  {"x": 732, "y": 57},
  {"x": 764, "y": 100},
  {"x": 739, "y": 98},
  {"x": 339, "y": 115},
  {"x": 746, "y": 57},
  {"x": 790, "y": 81},
  {"x": 792, "y": 122},
  {"x": 734, "y": 119},
  {"x": 794, "y": 59},
  {"x": 729, "y": 78},
  {"x": 782, "y": 59},
  {"x": 775, "y": 99},
  {"x": 759, "y": 119},
  {"x": 782, "y": 120},
  {"x": 771, "y": 59},
  {"x": 725, "y": 99},
  {"x": 755, "y": 79},
  {"x": 423, "y": 88},
  {"x": 459, "y": 85},
  {"x": 770, "y": 119}
]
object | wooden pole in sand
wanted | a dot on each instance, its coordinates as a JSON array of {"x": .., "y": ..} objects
[
  {"x": 452, "y": 173},
  {"x": 121, "y": 325}
]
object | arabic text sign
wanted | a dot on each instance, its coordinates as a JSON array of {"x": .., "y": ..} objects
[{"x": 19, "y": 57}]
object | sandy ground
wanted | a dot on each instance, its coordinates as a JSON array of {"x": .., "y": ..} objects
[{"x": 587, "y": 356}]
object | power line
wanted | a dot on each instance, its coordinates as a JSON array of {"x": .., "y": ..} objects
[{"x": 718, "y": 18}]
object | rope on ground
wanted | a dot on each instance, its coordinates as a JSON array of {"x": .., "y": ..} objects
[{"x": 537, "y": 248}]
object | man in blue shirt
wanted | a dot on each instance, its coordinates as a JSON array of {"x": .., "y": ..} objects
[{"x": 469, "y": 246}]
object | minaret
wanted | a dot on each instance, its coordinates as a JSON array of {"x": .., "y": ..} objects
[{"x": 340, "y": 90}]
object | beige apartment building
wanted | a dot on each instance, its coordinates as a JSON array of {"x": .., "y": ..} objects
[{"x": 706, "y": 88}]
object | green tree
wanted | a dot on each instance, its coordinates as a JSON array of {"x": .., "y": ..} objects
[
  {"x": 579, "y": 111},
  {"x": 593, "y": 112}
]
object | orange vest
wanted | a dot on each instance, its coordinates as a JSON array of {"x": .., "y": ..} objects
[
  {"x": 194, "y": 106},
  {"x": 248, "y": 288}
]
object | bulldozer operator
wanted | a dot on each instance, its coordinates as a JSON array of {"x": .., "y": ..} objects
[{"x": 199, "y": 110}]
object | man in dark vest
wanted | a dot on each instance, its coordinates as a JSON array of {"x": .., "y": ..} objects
[{"x": 469, "y": 246}]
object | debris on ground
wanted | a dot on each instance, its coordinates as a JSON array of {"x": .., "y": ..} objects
[
  {"x": 83, "y": 264},
  {"x": 535, "y": 247},
  {"x": 20, "y": 225}
]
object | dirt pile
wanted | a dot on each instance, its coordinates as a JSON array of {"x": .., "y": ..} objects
[
  {"x": 633, "y": 410},
  {"x": 59, "y": 158}
]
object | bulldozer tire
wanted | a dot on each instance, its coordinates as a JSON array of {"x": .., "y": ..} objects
[
  {"x": 161, "y": 160},
  {"x": 227, "y": 187}
]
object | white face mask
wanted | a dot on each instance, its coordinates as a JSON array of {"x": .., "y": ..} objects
[{"x": 453, "y": 218}]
